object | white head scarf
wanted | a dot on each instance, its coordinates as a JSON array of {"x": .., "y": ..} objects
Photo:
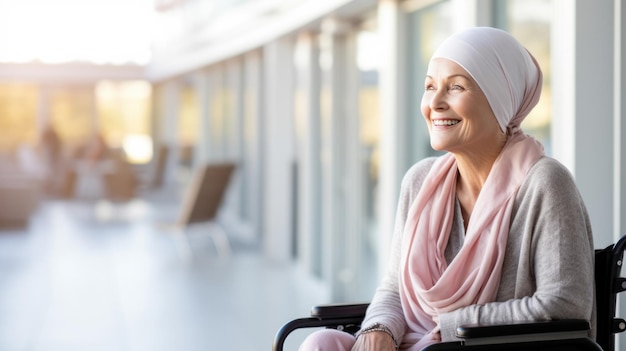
[{"x": 505, "y": 71}]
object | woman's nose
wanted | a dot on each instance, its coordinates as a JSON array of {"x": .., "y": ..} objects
[{"x": 437, "y": 100}]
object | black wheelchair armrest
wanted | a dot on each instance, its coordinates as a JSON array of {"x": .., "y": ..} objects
[
  {"x": 342, "y": 317},
  {"x": 339, "y": 311},
  {"x": 521, "y": 332},
  {"x": 570, "y": 335}
]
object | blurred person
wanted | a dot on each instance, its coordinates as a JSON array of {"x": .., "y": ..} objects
[
  {"x": 491, "y": 232},
  {"x": 51, "y": 149},
  {"x": 50, "y": 144},
  {"x": 96, "y": 149}
]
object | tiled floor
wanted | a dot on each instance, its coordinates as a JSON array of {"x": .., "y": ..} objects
[{"x": 110, "y": 277}]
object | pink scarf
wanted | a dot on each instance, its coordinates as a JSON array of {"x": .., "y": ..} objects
[{"x": 428, "y": 285}]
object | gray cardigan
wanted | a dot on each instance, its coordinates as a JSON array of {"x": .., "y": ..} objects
[{"x": 548, "y": 270}]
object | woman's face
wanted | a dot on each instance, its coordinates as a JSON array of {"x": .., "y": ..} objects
[{"x": 457, "y": 112}]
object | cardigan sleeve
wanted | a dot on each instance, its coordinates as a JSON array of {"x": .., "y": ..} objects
[
  {"x": 548, "y": 271},
  {"x": 385, "y": 307}
]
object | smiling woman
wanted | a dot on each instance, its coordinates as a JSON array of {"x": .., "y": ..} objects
[
  {"x": 457, "y": 111},
  {"x": 75, "y": 30}
]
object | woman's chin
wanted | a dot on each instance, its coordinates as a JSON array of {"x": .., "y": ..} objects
[{"x": 437, "y": 146}]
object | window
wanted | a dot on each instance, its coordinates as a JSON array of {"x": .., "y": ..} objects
[
  {"x": 18, "y": 116},
  {"x": 124, "y": 117},
  {"x": 530, "y": 21}
]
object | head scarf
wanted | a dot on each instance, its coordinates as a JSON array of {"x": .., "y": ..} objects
[
  {"x": 511, "y": 80},
  {"x": 505, "y": 71}
]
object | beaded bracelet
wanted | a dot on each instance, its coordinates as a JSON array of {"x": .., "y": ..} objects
[{"x": 377, "y": 327}]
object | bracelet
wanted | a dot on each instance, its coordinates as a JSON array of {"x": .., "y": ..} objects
[{"x": 377, "y": 327}]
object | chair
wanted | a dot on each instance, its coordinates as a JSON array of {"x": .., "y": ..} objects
[
  {"x": 120, "y": 181},
  {"x": 547, "y": 335},
  {"x": 202, "y": 201},
  {"x": 151, "y": 176},
  {"x": 20, "y": 196}
]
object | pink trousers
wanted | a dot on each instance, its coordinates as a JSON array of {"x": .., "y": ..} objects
[
  {"x": 335, "y": 340},
  {"x": 328, "y": 340}
]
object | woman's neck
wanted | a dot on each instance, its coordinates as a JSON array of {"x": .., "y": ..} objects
[{"x": 473, "y": 172}]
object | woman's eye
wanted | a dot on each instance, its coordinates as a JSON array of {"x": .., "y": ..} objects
[
  {"x": 456, "y": 87},
  {"x": 429, "y": 87}
]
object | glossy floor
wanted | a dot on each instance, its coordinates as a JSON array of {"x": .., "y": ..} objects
[{"x": 102, "y": 276}]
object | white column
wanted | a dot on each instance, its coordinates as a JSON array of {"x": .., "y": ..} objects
[
  {"x": 308, "y": 134},
  {"x": 619, "y": 135},
  {"x": 619, "y": 158},
  {"x": 334, "y": 237},
  {"x": 278, "y": 149},
  {"x": 353, "y": 181},
  {"x": 583, "y": 116},
  {"x": 252, "y": 156},
  {"x": 563, "y": 45},
  {"x": 234, "y": 150},
  {"x": 393, "y": 144}
]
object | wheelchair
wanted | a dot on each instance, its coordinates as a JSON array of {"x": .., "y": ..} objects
[{"x": 552, "y": 335}]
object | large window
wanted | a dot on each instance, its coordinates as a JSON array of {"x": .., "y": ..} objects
[
  {"x": 72, "y": 114},
  {"x": 220, "y": 111},
  {"x": 124, "y": 117},
  {"x": 117, "y": 112},
  {"x": 529, "y": 21},
  {"x": 18, "y": 116},
  {"x": 232, "y": 109},
  {"x": 188, "y": 125}
]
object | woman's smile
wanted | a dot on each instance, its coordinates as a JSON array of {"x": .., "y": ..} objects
[{"x": 445, "y": 122}]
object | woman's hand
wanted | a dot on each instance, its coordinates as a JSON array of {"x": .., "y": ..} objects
[{"x": 374, "y": 341}]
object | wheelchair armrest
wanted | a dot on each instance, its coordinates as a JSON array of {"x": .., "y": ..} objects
[
  {"x": 339, "y": 311},
  {"x": 342, "y": 317},
  {"x": 521, "y": 332}
]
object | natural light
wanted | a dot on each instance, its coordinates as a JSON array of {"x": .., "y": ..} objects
[
  {"x": 138, "y": 148},
  {"x": 98, "y": 31}
]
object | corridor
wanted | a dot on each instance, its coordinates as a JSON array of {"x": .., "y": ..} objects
[{"x": 111, "y": 277}]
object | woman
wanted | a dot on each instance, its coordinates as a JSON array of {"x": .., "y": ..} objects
[{"x": 491, "y": 232}]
